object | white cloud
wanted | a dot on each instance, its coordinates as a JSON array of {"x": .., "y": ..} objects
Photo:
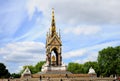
[
  {"x": 74, "y": 53},
  {"x": 81, "y": 11},
  {"x": 23, "y": 53},
  {"x": 82, "y": 30},
  {"x": 92, "y": 56},
  {"x": 88, "y": 53},
  {"x": 39, "y": 5}
]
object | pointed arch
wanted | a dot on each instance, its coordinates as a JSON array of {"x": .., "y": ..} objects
[{"x": 55, "y": 50}]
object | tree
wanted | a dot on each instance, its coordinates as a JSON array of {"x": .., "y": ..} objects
[
  {"x": 38, "y": 66},
  {"x": 34, "y": 69},
  {"x": 82, "y": 68},
  {"x": 109, "y": 61},
  {"x": 75, "y": 67},
  {"x": 14, "y": 75},
  {"x": 89, "y": 64},
  {"x": 4, "y": 73}
]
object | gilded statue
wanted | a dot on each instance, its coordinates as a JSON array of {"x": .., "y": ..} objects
[{"x": 53, "y": 58}]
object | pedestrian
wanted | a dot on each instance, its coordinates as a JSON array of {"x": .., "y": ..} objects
[
  {"x": 8, "y": 79},
  {"x": 66, "y": 75},
  {"x": 40, "y": 78},
  {"x": 48, "y": 79},
  {"x": 61, "y": 79}
]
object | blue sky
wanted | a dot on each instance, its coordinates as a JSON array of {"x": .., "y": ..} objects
[{"x": 86, "y": 27}]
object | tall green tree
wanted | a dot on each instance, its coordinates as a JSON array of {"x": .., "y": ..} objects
[
  {"x": 4, "y": 73},
  {"x": 109, "y": 61}
]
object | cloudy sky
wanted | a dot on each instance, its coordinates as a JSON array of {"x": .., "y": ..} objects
[{"x": 87, "y": 26}]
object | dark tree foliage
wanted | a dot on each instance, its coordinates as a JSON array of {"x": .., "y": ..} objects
[
  {"x": 14, "y": 75},
  {"x": 4, "y": 73},
  {"x": 109, "y": 61}
]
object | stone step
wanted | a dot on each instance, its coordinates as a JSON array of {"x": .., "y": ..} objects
[{"x": 55, "y": 72}]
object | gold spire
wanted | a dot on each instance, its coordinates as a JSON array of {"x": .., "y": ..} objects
[{"x": 53, "y": 27}]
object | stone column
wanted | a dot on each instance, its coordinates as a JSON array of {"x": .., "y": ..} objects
[
  {"x": 59, "y": 59},
  {"x": 49, "y": 59}
]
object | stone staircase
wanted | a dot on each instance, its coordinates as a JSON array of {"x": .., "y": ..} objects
[{"x": 63, "y": 79}]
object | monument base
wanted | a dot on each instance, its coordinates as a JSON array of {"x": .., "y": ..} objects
[
  {"x": 55, "y": 72},
  {"x": 46, "y": 69}
]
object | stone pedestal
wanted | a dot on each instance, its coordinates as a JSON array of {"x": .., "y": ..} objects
[
  {"x": 46, "y": 68},
  {"x": 53, "y": 63}
]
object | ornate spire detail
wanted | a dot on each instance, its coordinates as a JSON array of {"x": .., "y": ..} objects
[
  {"x": 53, "y": 44},
  {"x": 53, "y": 27}
]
